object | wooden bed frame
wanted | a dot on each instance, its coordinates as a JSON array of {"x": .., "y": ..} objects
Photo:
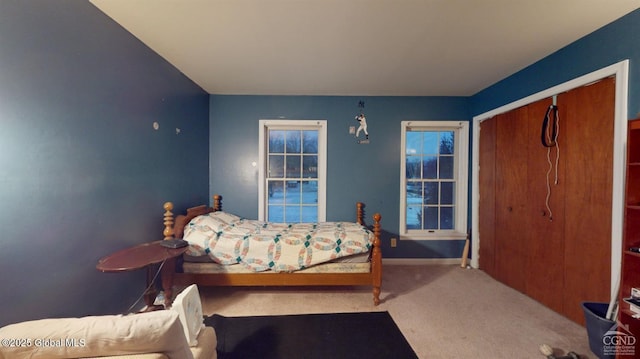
[{"x": 173, "y": 228}]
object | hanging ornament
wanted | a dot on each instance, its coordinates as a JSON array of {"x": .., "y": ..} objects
[{"x": 363, "y": 124}]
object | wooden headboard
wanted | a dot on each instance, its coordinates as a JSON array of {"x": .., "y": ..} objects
[{"x": 174, "y": 229}]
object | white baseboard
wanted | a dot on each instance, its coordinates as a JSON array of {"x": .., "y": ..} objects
[{"x": 420, "y": 261}]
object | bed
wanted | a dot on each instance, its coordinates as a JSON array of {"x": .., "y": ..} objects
[{"x": 349, "y": 269}]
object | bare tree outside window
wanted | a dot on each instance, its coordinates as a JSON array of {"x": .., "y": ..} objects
[
  {"x": 292, "y": 176},
  {"x": 430, "y": 179}
]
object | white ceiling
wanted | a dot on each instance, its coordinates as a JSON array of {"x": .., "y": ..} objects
[{"x": 357, "y": 47}]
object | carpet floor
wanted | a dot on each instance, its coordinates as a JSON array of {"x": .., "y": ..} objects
[
  {"x": 444, "y": 311},
  {"x": 309, "y": 336}
]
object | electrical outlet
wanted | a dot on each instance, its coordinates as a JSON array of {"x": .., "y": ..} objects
[{"x": 394, "y": 242}]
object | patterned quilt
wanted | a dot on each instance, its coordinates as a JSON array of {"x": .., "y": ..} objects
[{"x": 281, "y": 247}]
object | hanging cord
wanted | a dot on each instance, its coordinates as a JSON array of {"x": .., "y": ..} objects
[
  {"x": 153, "y": 281},
  {"x": 550, "y": 139}
]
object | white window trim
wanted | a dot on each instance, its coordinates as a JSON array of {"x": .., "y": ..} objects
[
  {"x": 321, "y": 126},
  {"x": 462, "y": 179}
]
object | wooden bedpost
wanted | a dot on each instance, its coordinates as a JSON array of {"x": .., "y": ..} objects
[
  {"x": 376, "y": 259},
  {"x": 217, "y": 202},
  {"x": 168, "y": 221},
  {"x": 360, "y": 213}
]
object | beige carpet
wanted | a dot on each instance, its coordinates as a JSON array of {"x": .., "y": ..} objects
[{"x": 444, "y": 311}]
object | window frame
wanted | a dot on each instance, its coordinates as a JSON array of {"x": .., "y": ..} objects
[
  {"x": 461, "y": 177},
  {"x": 321, "y": 127}
]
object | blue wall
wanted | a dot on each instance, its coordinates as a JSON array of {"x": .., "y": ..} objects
[
  {"x": 82, "y": 172},
  {"x": 355, "y": 172},
  {"x": 611, "y": 44}
]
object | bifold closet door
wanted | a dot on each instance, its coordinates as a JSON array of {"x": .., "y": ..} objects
[
  {"x": 587, "y": 154},
  {"x": 545, "y": 210},
  {"x": 563, "y": 260},
  {"x": 487, "y": 203},
  {"x": 511, "y": 235}
]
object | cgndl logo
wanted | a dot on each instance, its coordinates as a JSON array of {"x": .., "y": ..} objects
[
  {"x": 618, "y": 335},
  {"x": 619, "y": 341}
]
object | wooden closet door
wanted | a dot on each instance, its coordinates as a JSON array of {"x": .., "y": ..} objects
[
  {"x": 587, "y": 154},
  {"x": 545, "y": 247},
  {"x": 566, "y": 261},
  {"x": 511, "y": 236},
  {"x": 487, "y": 190}
]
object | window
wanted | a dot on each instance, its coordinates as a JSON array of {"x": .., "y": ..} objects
[
  {"x": 433, "y": 179},
  {"x": 292, "y": 171}
]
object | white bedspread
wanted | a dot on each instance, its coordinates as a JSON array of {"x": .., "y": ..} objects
[{"x": 261, "y": 246}]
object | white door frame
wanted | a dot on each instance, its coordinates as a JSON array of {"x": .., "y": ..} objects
[{"x": 621, "y": 72}]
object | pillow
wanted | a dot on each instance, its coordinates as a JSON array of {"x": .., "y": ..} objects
[
  {"x": 202, "y": 229},
  {"x": 189, "y": 308},
  {"x": 214, "y": 221},
  {"x": 153, "y": 332},
  {"x": 224, "y": 217}
]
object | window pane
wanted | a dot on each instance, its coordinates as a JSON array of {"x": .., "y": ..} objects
[
  {"x": 431, "y": 142},
  {"x": 446, "y": 218},
  {"x": 413, "y": 167},
  {"x": 310, "y": 166},
  {"x": 276, "y": 192},
  {"x": 292, "y": 214},
  {"x": 430, "y": 167},
  {"x": 431, "y": 194},
  {"x": 276, "y": 214},
  {"x": 446, "y": 167},
  {"x": 309, "y": 214},
  {"x": 310, "y": 141},
  {"x": 293, "y": 141},
  {"x": 292, "y": 193},
  {"x": 414, "y": 190},
  {"x": 276, "y": 166},
  {"x": 447, "y": 192},
  {"x": 293, "y": 166},
  {"x": 414, "y": 217},
  {"x": 310, "y": 192},
  {"x": 446, "y": 143},
  {"x": 430, "y": 217},
  {"x": 413, "y": 143},
  {"x": 276, "y": 141}
]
